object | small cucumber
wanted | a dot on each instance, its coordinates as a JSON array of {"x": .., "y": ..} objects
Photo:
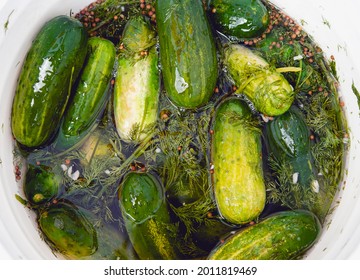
[
  {"x": 289, "y": 139},
  {"x": 50, "y": 68},
  {"x": 282, "y": 236},
  {"x": 90, "y": 93},
  {"x": 138, "y": 35},
  {"x": 268, "y": 90},
  {"x": 242, "y": 19},
  {"x": 68, "y": 230},
  {"x": 137, "y": 86},
  {"x": 147, "y": 217},
  {"x": 41, "y": 184},
  {"x": 238, "y": 180},
  {"x": 187, "y": 52}
]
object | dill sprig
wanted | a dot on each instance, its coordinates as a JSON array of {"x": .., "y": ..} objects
[
  {"x": 286, "y": 192},
  {"x": 195, "y": 213},
  {"x": 180, "y": 156}
]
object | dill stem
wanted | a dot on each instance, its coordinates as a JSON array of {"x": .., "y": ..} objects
[
  {"x": 288, "y": 69},
  {"x": 106, "y": 21},
  {"x": 139, "y": 151},
  {"x": 299, "y": 76},
  {"x": 117, "y": 151}
]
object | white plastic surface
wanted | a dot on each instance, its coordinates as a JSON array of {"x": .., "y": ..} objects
[{"x": 333, "y": 24}]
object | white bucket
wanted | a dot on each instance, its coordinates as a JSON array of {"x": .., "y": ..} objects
[{"x": 334, "y": 27}]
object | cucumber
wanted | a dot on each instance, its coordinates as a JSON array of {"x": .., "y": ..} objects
[
  {"x": 137, "y": 86},
  {"x": 41, "y": 184},
  {"x": 50, "y": 68},
  {"x": 238, "y": 182},
  {"x": 242, "y": 19},
  {"x": 187, "y": 52},
  {"x": 136, "y": 96},
  {"x": 68, "y": 230},
  {"x": 268, "y": 90},
  {"x": 138, "y": 35},
  {"x": 90, "y": 93},
  {"x": 97, "y": 146},
  {"x": 288, "y": 139},
  {"x": 282, "y": 236},
  {"x": 147, "y": 218}
]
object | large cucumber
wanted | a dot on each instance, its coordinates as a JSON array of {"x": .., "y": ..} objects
[
  {"x": 51, "y": 66},
  {"x": 137, "y": 86},
  {"x": 242, "y": 19},
  {"x": 282, "y": 236},
  {"x": 238, "y": 181},
  {"x": 187, "y": 52},
  {"x": 147, "y": 217},
  {"x": 90, "y": 94}
]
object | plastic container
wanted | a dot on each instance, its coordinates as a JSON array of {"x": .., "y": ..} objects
[{"x": 335, "y": 29}]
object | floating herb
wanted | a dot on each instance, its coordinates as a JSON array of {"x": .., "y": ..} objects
[
  {"x": 356, "y": 92},
  {"x": 326, "y": 22},
  {"x": 287, "y": 191},
  {"x": 6, "y": 24}
]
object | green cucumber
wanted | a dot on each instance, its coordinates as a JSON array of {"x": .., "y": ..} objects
[
  {"x": 90, "y": 93},
  {"x": 288, "y": 139},
  {"x": 147, "y": 217},
  {"x": 282, "y": 236},
  {"x": 238, "y": 180},
  {"x": 68, "y": 230},
  {"x": 187, "y": 52},
  {"x": 242, "y": 19},
  {"x": 138, "y": 35},
  {"x": 50, "y": 68},
  {"x": 137, "y": 86},
  {"x": 268, "y": 90},
  {"x": 41, "y": 184}
]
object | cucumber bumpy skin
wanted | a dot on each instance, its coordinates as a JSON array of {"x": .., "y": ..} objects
[
  {"x": 147, "y": 217},
  {"x": 238, "y": 181},
  {"x": 90, "y": 93},
  {"x": 281, "y": 236},
  {"x": 136, "y": 96},
  {"x": 187, "y": 52},
  {"x": 268, "y": 90},
  {"x": 69, "y": 230},
  {"x": 137, "y": 83},
  {"x": 50, "y": 68}
]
